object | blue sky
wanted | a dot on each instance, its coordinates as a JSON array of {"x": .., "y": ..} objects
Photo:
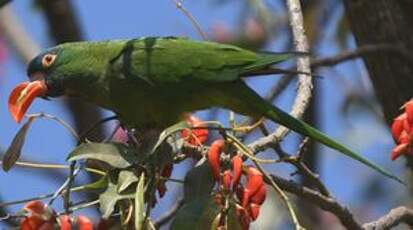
[{"x": 49, "y": 142}]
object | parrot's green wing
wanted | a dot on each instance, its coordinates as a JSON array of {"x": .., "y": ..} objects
[
  {"x": 174, "y": 60},
  {"x": 160, "y": 61}
]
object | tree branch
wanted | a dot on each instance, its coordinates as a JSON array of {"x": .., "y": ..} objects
[
  {"x": 392, "y": 219},
  {"x": 304, "y": 82},
  {"x": 326, "y": 203},
  {"x": 360, "y": 52}
]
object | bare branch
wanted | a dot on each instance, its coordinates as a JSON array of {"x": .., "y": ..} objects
[
  {"x": 326, "y": 203},
  {"x": 361, "y": 51},
  {"x": 305, "y": 85},
  {"x": 393, "y": 218}
]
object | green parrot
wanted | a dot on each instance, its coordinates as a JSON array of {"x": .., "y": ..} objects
[{"x": 153, "y": 81}]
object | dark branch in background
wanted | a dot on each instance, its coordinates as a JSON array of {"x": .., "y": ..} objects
[
  {"x": 393, "y": 218},
  {"x": 390, "y": 75},
  {"x": 361, "y": 52},
  {"x": 64, "y": 27},
  {"x": 4, "y": 2}
]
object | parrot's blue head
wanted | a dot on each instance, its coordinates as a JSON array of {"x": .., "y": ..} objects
[{"x": 43, "y": 68}]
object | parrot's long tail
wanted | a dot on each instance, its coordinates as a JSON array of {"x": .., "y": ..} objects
[{"x": 275, "y": 114}]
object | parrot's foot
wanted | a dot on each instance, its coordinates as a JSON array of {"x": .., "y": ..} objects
[{"x": 249, "y": 128}]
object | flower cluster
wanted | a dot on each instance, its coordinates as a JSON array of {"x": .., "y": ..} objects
[
  {"x": 402, "y": 132},
  {"x": 249, "y": 197},
  {"x": 38, "y": 215}
]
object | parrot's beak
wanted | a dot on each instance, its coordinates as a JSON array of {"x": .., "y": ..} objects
[{"x": 23, "y": 95}]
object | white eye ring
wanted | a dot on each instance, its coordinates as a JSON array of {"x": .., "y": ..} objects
[{"x": 48, "y": 60}]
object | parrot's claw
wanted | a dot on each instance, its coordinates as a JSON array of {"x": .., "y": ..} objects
[{"x": 249, "y": 128}]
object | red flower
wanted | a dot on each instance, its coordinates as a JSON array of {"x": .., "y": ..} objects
[
  {"x": 194, "y": 136},
  {"x": 226, "y": 180},
  {"x": 402, "y": 132},
  {"x": 39, "y": 216},
  {"x": 214, "y": 160},
  {"x": 84, "y": 223},
  {"x": 236, "y": 170}
]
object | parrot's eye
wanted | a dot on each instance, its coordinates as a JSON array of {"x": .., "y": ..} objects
[{"x": 48, "y": 60}]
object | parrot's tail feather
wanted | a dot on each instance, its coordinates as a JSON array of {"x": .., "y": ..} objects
[
  {"x": 272, "y": 70},
  {"x": 275, "y": 114},
  {"x": 263, "y": 66}
]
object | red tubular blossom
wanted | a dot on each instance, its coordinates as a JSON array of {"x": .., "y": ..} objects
[
  {"x": 403, "y": 138},
  {"x": 236, "y": 171},
  {"x": 399, "y": 150},
  {"x": 254, "y": 183},
  {"x": 214, "y": 160},
  {"x": 195, "y": 136},
  {"x": 35, "y": 222},
  {"x": 84, "y": 223},
  {"x": 165, "y": 173},
  {"x": 226, "y": 180},
  {"x": 259, "y": 196},
  {"x": 65, "y": 222},
  {"x": 38, "y": 216},
  {"x": 161, "y": 188},
  {"x": 254, "y": 211},
  {"x": 398, "y": 126},
  {"x": 409, "y": 111},
  {"x": 36, "y": 207}
]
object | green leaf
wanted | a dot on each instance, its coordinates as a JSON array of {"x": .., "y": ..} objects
[
  {"x": 198, "y": 182},
  {"x": 140, "y": 203},
  {"x": 116, "y": 155},
  {"x": 197, "y": 214},
  {"x": 109, "y": 198},
  {"x": 14, "y": 151},
  {"x": 99, "y": 184},
  {"x": 125, "y": 179},
  {"x": 169, "y": 131},
  {"x": 199, "y": 209}
]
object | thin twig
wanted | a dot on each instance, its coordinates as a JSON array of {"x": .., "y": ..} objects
[
  {"x": 34, "y": 165},
  {"x": 65, "y": 185},
  {"x": 284, "y": 197},
  {"x": 66, "y": 196},
  {"x": 296, "y": 160},
  {"x": 83, "y": 135},
  {"x": 58, "y": 120},
  {"x": 80, "y": 206},
  {"x": 178, "y": 5},
  {"x": 41, "y": 197}
]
